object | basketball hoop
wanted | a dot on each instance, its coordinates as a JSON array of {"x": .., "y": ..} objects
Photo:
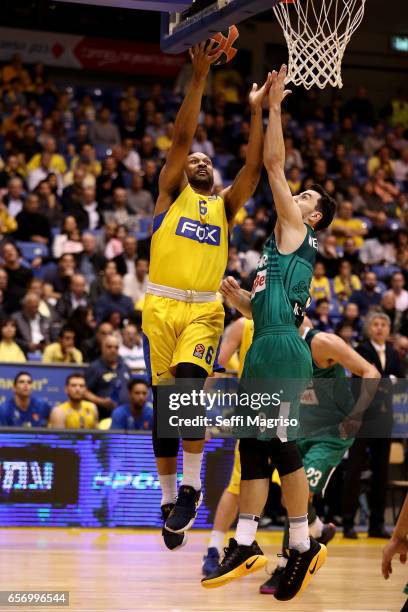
[{"x": 317, "y": 33}]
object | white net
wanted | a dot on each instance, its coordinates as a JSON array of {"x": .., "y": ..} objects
[{"x": 317, "y": 33}]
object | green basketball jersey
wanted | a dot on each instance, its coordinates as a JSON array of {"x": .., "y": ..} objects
[{"x": 280, "y": 292}]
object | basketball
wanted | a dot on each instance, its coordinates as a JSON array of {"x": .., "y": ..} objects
[{"x": 227, "y": 41}]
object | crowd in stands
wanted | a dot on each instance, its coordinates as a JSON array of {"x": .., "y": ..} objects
[{"x": 78, "y": 180}]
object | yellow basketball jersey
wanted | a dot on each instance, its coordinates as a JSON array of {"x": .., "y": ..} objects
[
  {"x": 84, "y": 418},
  {"x": 189, "y": 248},
  {"x": 246, "y": 342}
]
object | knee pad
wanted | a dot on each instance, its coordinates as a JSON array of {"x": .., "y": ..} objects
[
  {"x": 254, "y": 456},
  {"x": 285, "y": 456}
]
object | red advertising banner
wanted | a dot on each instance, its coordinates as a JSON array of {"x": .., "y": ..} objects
[{"x": 70, "y": 51}]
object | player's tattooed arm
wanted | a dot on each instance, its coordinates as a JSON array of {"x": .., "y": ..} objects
[
  {"x": 238, "y": 298},
  {"x": 172, "y": 177},
  {"x": 248, "y": 177},
  {"x": 290, "y": 229}
]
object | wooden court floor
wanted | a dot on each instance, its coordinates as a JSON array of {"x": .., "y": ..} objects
[{"x": 124, "y": 570}]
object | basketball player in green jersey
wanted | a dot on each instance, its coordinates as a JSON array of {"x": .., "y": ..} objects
[
  {"x": 329, "y": 417},
  {"x": 279, "y": 296}
]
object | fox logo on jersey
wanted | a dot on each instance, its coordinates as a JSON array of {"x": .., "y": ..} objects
[{"x": 204, "y": 233}]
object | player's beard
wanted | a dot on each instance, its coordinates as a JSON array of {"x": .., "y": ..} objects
[{"x": 203, "y": 183}]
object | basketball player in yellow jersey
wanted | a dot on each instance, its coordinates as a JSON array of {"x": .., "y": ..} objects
[
  {"x": 76, "y": 413},
  {"x": 182, "y": 320}
]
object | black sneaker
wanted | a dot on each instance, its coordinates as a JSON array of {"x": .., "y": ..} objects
[
  {"x": 328, "y": 533},
  {"x": 182, "y": 516},
  {"x": 301, "y": 567},
  {"x": 173, "y": 541},
  {"x": 238, "y": 561},
  {"x": 405, "y": 607},
  {"x": 271, "y": 585}
]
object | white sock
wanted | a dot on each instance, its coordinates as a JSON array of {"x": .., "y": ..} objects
[
  {"x": 299, "y": 533},
  {"x": 246, "y": 529},
  {"x": 191, "y": 469},
  {"x": 316, "y": 528},
  {"x": 282, "y": 561},
  {"x": 217, "y": 540},
  {"x": 168, "y": 484}
]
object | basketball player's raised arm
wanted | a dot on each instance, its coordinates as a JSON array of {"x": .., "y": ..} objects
[
  {"x": 290, "y": 228},
  {"x": 237, "y": 297},
  {"x": 248, "y": 177},
  {"x": 172, "y": 177}
]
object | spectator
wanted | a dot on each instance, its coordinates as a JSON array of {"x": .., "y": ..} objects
[
  {"x": 131, "y": 158},
  {"x": 121, "y": 213},
  {"x": 24, "y": 410},
  {"x": 150, "y": 178},
  {"x": 76, "y": 296},
  {"x": 57, "y": 162},
  {"x": 90, "y": 261},
  {"x": 43, "y": 171},
  {"x": 361, "y": 108},
  {"x": 328, "y": 255},
  {"x": 388, "y": 306},
  {"x": 135, "y": 285},
  {"x": 76, "y": 412},
  {"x": 320, "y": 286},
  {"x": 245, "y": 235},
  {"x": 351, "y": 254},
  {"x": 374, "y": 141},
  {"x": 32, "y": 225},
  {"x": 60, "y": 276},
  {"x": 351, "y": 317},
  {"x": 28, "y": 146},
  {"x": 107, "y": 182},
  {"x": 369, "y": 295},
  {"x": 382, "y": 160},
  {"x": 345, "y": 283},
  {"x": 66, "y": 241},
  {"x": 18, "y": 276},
  {"x": 10, "y": 171},
  {"x": 87, "y": 211},
  {"x": 72, "y": 194},
  {"x": 378, "y": 248},
  {"x": 295, "y": 180},
  {"x": 126, "y": 261},
  {"x": 345, "y": 226},
  {"x": 8, "y": 224},
  {"x": 139, "y": 200},
  {"x": 63, "y": 351},
  {"x": 377, "y": 421},
  {"x": 107, "y": 378},
  {"x": 138, "y": 413},
  {"x": 131, "y": 349},
  {"x": 101, "y": 284},
  {"x": 91, "y": 348},
  {"x": 14, "y": 199},
  {"x": 103, "y": 132},
  {"x": 321, "y": 317},
  {"x": 113, "y": 300},
  {"x": 401, "y": 346},
  {"x": 10, "y": 352},
  {"x": 401, "y": 167},
  {"x": 83, "y": 322},
  {"x": 32, "y": 328},
  {"x": 293, "y": 156},
  {"x": 401, "y": 294},
  {"x": 201, "y": 142},
  {"x": 49, "y": 205}
]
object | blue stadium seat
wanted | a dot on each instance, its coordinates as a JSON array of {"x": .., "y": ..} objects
[{"x": 31, "y": 250}]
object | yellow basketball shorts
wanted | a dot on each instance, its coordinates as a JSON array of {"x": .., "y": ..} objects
[
  {"x": 234, "y": 485},
  {"x": 180, "y": 332}
]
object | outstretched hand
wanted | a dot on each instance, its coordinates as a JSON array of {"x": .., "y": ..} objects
[
  {"x": 277, "y": 91},
  {"x": 258, "y": 95},
  {"x": 202, "y": 57},
  {"x": 394, "y": 547}
]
